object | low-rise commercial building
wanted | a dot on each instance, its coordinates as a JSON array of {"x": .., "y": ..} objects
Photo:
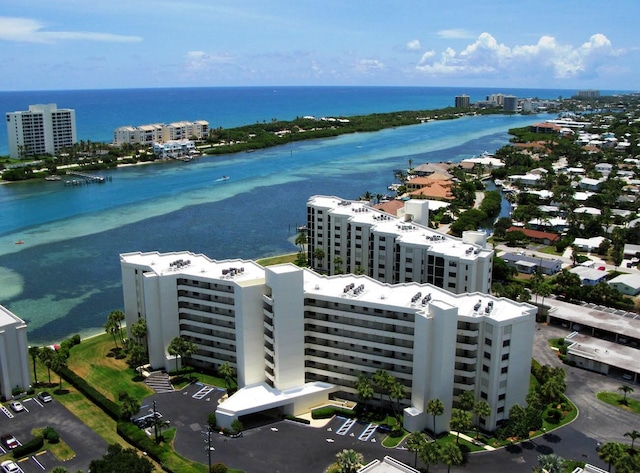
[{"x": 294, "y": 336}]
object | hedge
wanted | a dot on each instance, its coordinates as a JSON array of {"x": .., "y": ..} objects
[
  {"x": 28, "y": 448},
  {"x": 107, "y": 405},
  {"x": 329, "y": 411}
]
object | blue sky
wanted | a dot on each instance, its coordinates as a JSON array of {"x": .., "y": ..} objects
[{"x": 94, "y": 44}]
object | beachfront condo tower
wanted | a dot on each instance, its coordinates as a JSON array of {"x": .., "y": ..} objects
[
  {"x": 346, "y": 236},
  {"x": 296, "y": 338},
  {"x": 43, "y": 129}
]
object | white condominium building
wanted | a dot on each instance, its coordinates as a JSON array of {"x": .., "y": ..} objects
[
  {"x": 347, "y": 236},
  {"x": 14, "y": 354},
  {"x": 160, "y": 132},
  {"x": 43, "y": 129},
  {"x": 174, "y": 148},
  {"x": 294, "y": 336}
]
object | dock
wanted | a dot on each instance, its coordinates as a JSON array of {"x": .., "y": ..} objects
[{"x": 85, "y": 178}]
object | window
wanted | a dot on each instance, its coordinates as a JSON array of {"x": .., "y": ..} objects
[
  {"x": 501, "y": 397},
  {"x": 485, "y": 368},
  {"x": 500, "y": 410},
  {"x": 506, "y": 343},
  {"x": 505, "y": 357},
  {"x": 487, "y": 355},
  {"x": 483, "y": 395},
  {"x": 487, "y": 341},
  {"x": 504, "y": 370}
]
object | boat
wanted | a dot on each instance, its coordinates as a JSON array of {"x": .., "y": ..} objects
[
  {"x": 52, "y": 178},
  {"x": 19, "y": 242},
  {"x": 498, "y": 182},
  {"x": 223, "y": 178}
]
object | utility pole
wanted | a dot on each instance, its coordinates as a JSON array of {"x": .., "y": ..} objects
[
  {"x": 208, "y": 448},
  {"x": 155, "y": 421}
]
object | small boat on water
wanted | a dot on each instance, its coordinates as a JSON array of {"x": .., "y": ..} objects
[
  {"x": 223, "y": 178},
  {"x": 19, "y": 242},
  {"x": 52, "y": 178}
]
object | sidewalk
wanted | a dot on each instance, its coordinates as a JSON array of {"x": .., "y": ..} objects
[{"x": 473, "y": 441}]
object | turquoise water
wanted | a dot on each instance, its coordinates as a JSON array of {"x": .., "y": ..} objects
[{"x": 65, "y": 278}]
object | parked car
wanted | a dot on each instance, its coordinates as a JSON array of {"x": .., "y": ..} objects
[
  {"x": 16, "y": 406},
  {"x": 9, "y": 441},
  {"x": 146, "y": 420},
  {"x": 44, "y": 396},
  {"x": 10, "y": 467}
]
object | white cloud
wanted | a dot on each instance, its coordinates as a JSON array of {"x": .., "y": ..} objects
[
  {"x": 201, "y": 60},
  {"x": 413, "y": 45},
  {"x": 367, "y": 65},
  {"x": 27, "y": 30},
  {"x": 456, "y": 33},
  {"x": 486, "y": 56}
]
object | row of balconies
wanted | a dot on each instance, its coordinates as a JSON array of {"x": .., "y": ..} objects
[
  {"x": 360, "y": 358},
  {"x": 207, "y": 333},
  {"x": 364, "y": 338},
  {"x": 211, "y": 323}
]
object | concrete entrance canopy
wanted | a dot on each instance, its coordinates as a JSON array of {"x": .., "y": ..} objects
[{"x": 262, "y": 397}]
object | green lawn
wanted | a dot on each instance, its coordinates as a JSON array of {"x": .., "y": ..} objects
[
  {"x": 290, "y": 258},
  {"x": 615, "y": 399}
]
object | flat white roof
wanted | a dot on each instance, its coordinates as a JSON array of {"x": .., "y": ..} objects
[
  {"x": 259, "y": 397},
  {"x": 197, "y": 265},
  {"x": 8, "y": 318},
  {"x": 603, "y": 351},
  {"x": 412, "y": 296},
  {"x": 407, "y": 232}
]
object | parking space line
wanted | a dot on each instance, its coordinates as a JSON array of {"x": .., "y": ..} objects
[
  {"x": 33, "y": 457},
  {"x": 368, "y": 432},
  {"x": 345, "y": 427}
]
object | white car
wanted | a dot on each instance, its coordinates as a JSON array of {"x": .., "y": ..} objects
[
  {"x": 10, "y": 467},
  {"x": 16, "y": 406}
]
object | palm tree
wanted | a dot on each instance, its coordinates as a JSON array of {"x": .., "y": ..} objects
[
  {"x": 466, "y": 400},
  {"x": 118, "y": 318},
  {"x": 129, "y": 406},
  {"x": 551, "y": 463},
  {"x": 301, "y": 240},
  {"x": 435, "y": 407},
  {"x": 34, "y": 351},
  {"x": 139, "y": 330},
  {"x": 175, "y": 348},
  {"x": 318, "y": 255},
  {"x": 451, "y": 455},
  {"x": 349, "y": 460},
  {"x": 112, "y": 328},
  {"x": 227, "y": 372},
  {"x": 429, "y": 454},
  {"x": 610, "y": 452},
  {"x": 460, "y": 421},
  {"x": 58, "y": 361},
  {"x": 633, "y": 435},
  {"x": 397, "y": 391},
  {"x": 626, "y": 390},
  {"x": 481, "y": 409},
  {"x": 415, "y": 443},
  {"x": 337, "y": 265},
  {"x": 364, "y": 388},
  {"x": 383, "y": 381},
  {"x": 46, "y": 355}
]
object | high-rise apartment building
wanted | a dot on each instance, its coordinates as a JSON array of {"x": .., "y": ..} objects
[
  {"x": 462, "y": 101},
  {"x": 295, "y": 337},
  {"x": 43, "y": 129},
  {"x": 14, "y": 354},
  {"x": 510, "y": 103},
  {"x": 347, "y": 236}
]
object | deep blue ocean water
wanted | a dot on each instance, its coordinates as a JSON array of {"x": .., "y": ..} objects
[{"x": 65, "y": 278}]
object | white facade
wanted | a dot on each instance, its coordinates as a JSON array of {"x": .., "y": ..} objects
[
  {"x": 174, "y": 148},
  {"x": 160, "y": 132},
  {"x": 43, "y": 129},
  {"x": 14, "y": 354},
  {"x": 355, "y": 238},
  {"x": 295, "y": 336}
]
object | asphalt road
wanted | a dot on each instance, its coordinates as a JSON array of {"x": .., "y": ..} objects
[
  {"x": 86, "y": 444},
  {"x": 289, "y": 447}
]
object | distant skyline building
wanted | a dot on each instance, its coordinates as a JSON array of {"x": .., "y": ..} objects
[
  {"x": 43, "y": 129},
  {"x": 160, "y": 132},
  {"x": 588, "y": 94},
  {"x": 462, "y": 101},
  {"x": 510, "y": 103}
]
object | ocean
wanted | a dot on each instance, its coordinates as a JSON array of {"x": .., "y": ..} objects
[{"x": 65, "y": 278}]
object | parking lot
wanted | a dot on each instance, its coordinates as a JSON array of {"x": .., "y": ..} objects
[{"x": 86, "y": 444}]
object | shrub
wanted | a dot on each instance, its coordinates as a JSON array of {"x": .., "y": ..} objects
[
  {"x": 28, "y": 448},
  {"x": 329, "y": 411},
  {"x": 107, "y": 405},
  {"x": 298, "y": 419},
  {"x": 219, "y": 468},
  {"x": 554, "y": 416},
  {"x": 50, "y": 435}
]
